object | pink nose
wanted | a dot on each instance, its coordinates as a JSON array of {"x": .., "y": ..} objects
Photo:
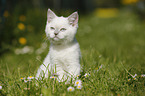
[{"x": 55, "y": 33}]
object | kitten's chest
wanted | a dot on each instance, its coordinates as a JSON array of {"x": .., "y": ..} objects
[
  {"x": 65, "y": 56},
  {"x": 60, "y": 57},
  {"x": 59, "y": 54}
]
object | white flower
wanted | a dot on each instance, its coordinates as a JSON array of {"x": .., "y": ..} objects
[
  {"x": 78, "y": 82},
  {"x": 79, "y": 86},
  {"x": 70, "y": 89},
  {"x": 22, "y": 78},
  {"x": 134, "y": 77},
  {"x": 25, "y": 81},
  {"x": 142, "y": 75},
  {"x": 1, "y": 87},
  {"x": 129, "y": 79},
  {"x": 30, "y": 78},
  {"x": 87, "y": 75},
  {"x": 27, "y": 49},
  {"x": 52, "y": 77},
  {"x": 78, "y": 76},
  {"x": 24, "y": 50}
]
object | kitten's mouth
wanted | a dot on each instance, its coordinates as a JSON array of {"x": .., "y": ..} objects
[{"x": 55, "y": 38}]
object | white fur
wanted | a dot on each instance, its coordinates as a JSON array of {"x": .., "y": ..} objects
[{"x": 64, "y": 52}]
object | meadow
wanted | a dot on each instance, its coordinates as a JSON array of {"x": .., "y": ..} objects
[{"x": 113, "y": 57}]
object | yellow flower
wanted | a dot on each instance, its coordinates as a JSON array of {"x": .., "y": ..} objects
[
  {"x": 126, "y": 2},
  {"x": 22, "y": 41},
  {"x": 106, "y": 12},
  {"x": 22, "y": 18},
  {"x": 6, "y": 14},
  {"x": 21, "y": 26}
]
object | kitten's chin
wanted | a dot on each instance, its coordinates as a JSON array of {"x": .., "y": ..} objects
[{"x": 55, "y": 39}]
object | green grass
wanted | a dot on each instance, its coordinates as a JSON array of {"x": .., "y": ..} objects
[{"x": 115, "y": 43}]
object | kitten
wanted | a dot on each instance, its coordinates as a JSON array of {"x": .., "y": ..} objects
[{"x": 64, "y": 55}]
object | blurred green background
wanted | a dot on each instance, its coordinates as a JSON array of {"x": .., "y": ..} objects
[{"x": 112, "y": 27}]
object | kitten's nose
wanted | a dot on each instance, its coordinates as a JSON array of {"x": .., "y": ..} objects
[{"x": 55, "y": 33}]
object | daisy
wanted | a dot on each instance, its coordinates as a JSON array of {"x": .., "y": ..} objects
[
  {"x": 78, "y": 82},
  {"x": 78, "y": 76},
  {"x": 52, "y": 77},
  {"x": 134, "y": 77},
  {"x": 22, "y": 78},
  {"x": 30, "y": 78},
  {"x": 79, "y": 86},
  {"x": 70, "y": 89}
]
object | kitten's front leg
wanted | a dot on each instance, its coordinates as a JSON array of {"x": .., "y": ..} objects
[
  {"x": 74, "y": 70},
  {"x": 44, "y": 68},
  {"x": 62, "y": 76}
]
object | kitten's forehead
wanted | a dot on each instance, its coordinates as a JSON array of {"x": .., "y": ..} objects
[{"x": 60, "y": 22}]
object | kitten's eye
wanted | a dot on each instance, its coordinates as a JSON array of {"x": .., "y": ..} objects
[
  {"x": 62, "y": 29},
  {"x": 52, "y": 28}
]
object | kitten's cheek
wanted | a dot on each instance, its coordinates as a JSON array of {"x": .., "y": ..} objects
[
  {"x": 51, "y": 36},
  {"x": 61, "y": 36}
]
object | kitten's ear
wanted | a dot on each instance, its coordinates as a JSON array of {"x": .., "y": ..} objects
[
  {"x": 50, "y": 15},
  {"x": 73, "y": 18}
]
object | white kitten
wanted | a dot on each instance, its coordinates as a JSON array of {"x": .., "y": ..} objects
[{"x": 64, "y": 52}]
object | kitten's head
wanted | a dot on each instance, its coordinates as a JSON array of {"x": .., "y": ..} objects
[{"x": 61, "y": 29}]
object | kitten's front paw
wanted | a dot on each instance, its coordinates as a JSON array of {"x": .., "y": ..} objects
[{"x": 62, "y": 78}]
